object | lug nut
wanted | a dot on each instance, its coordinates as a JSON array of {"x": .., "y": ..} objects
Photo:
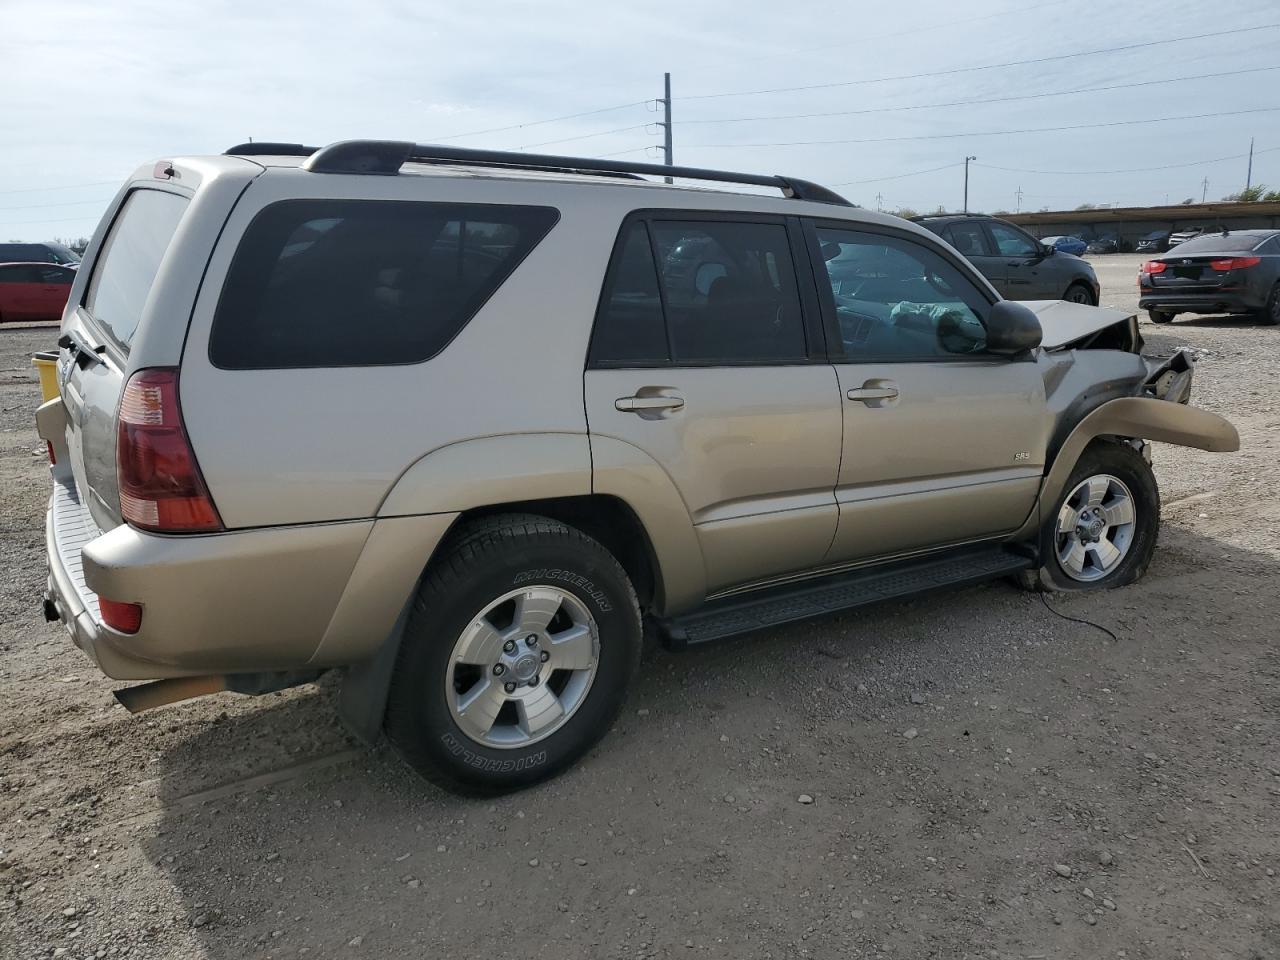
[
  {"x": 509, "y": 646},
  {"x": 531, "y": 640},
  {"x": 546, "y": 655},
  {"x": 509, "y": 687},
  {"x": 533, "y": 681},
  {"x": 499, "y": 669}
]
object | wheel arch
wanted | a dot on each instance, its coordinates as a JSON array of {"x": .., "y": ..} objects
[{"x": 1131, "y": 418}]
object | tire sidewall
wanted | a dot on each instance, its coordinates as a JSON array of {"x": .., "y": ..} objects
[
  {"x": 583, "y": 569},
  {"x": 1126, "y": 464},
  {"x": 1080, "y": 285}
]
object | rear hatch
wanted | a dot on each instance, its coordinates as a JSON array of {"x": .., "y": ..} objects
[{"x": 98, "y": 335}]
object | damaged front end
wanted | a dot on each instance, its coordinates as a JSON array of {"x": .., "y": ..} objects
[{"x": 1093, "y": 355}]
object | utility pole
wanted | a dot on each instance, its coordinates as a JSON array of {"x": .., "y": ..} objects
[
  {"x": 1019, "y": 196},
  {"x": 879, "y": 201},
  {"x": 1248, "y": 177},
  {"x": 966, "y": 182},
  {"x": 1204, "y": 189},
  {"x": 666, "y": 123}
]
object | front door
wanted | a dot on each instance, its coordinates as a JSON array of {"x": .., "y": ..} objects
[
  {"x": 706, "y": 357},
  {"x": 1023, "y": 260},
  {"x": 970, "y": 238},
  {"x": 943, "y": 444}
]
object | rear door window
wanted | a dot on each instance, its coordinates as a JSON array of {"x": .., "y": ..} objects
[
  {"x": 730, "y": 293},
  {"x": 338, "y": 283},
  {"x": 630, "y": 329},
  {"x": 130, "y": 259},
  {"x": 968, "y": 238}
]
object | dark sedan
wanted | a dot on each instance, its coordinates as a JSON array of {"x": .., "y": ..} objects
[{"x": 1229, "y": 272}]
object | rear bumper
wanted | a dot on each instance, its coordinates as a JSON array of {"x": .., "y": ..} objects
[
  {"x": 279, "y": 598},
  {"x": 1225, "y": 301}
]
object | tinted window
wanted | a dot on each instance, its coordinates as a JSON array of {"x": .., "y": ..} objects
[
  {"x": 56, "y": 275},
  {"x": 1217, "y": 243},
  {"x": 729, "y": 290},
  {"x": 1272, "y": 246},
  {"x": 130, "y": 258},
  {"x": 20, "y": 273},
  {"x": 58, "y": 253},
  {"x": 335, "y": 283},
  {"x": 630, "y": 328},
  {"x": 1011, "y": 242},
  {"x": 23, "y": 253},
  {"x": 896, "y": 299},
  {"x": 968, "y": 238}
]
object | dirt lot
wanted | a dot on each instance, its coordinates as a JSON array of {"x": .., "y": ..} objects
[{"x": 1062, "y": 794}]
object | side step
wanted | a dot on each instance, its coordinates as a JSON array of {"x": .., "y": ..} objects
[{"x": 806, "y": 599}]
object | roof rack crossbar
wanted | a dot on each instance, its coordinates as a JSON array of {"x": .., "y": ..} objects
[{"x": 387, "y": 156}]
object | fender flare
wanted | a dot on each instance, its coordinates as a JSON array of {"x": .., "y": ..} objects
[{"x": 1135, "y": 417}]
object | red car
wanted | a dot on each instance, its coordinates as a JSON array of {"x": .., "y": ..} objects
[{"x": 33, "y": 291}]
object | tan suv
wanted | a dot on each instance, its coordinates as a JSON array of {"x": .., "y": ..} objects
[{"x": 458, "y": 422}]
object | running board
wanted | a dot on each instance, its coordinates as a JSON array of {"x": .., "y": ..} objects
[{"x": 776, "y": 606}]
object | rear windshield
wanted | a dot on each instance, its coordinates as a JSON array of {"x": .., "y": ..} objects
[
  {"x": 130, "y": 258},
  {"x": 1217, "y": 243},
  {"x": 338, "y": 283}
]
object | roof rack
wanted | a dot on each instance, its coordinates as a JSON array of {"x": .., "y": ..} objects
[{"x": 387, "y": 156}]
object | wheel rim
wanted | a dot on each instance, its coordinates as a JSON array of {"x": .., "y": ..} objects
[
  {"x": 1096, "y": 525},
  {"x": 1078, "y": 295},
  {"x": 522, "y": 667}
]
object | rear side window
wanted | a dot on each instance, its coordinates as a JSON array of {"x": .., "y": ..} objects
[
  {"x": 630, "y": 329},
  {"x": 968, "y": 238},
  {"x": 339, "y": 283},
  {"x": 130, "y": 259}
]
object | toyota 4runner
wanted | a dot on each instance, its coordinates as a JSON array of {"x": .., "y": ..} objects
[{"x": 459, "y": 422}]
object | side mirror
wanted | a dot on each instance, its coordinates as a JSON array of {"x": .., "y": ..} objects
[
  {"x": 1047, "y": 251},
  {"x": 1012, "y": 328}
]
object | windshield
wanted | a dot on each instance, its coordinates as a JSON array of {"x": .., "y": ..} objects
[{"x": 62, "y": 254}]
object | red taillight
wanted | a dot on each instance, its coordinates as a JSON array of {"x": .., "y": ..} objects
[
  {"x": 1153, "y": 266},
  {"x": 122, "y": 617},
  {"x": 160, "y": 484},
  {"x": 1234, "y": 263}
]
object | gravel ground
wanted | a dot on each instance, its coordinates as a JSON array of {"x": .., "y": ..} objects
[{"x": 965, "y": 775}]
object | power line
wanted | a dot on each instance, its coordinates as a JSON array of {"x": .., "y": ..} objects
[
  {"x": 967, "y": 103},
  {"x": 896, "y": 176},
  {"x": 44, "y": 206},
  {"x": 585, "y": 136},
  {"x": 1091, "y": 173},
  {"x": 901, "y": 33},
  {"x": 985, "y": 133},
  {"x": 67, "y": 186},
  {"x": 535, "y": 123},
  {"x": 19, "y": 223},
  {"x": 988, "y": 66}
]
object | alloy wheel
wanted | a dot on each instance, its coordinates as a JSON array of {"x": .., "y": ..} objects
[
  {"x": 522, "y": 667},
  {"x": 1095, "y": 529}
]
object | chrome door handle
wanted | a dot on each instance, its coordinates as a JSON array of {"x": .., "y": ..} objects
[
  {"x": 863, "y": 394},
  {"x": 647, "y": 404}
]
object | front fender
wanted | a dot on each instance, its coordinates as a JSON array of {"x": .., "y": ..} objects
[{"x": 1139, "y": 418}]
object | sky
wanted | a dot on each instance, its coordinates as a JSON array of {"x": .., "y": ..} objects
[{"x": 91, "y": 90}]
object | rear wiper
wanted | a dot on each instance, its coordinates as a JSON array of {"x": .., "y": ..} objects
[{"x": 82, "y": 351}]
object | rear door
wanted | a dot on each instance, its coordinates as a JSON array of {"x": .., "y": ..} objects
[
  {"x": 708, "y": 357},
  {"x": 17, "y": 291},
  {"x": 1026, "y": 277},
  {"x": 943, "y": 443},
  {"x": 972, "y": 241},
  {"x": 98, "y": 336}
]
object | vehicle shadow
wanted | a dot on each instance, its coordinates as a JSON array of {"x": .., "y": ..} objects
[{"x": 284, "y": 837}]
